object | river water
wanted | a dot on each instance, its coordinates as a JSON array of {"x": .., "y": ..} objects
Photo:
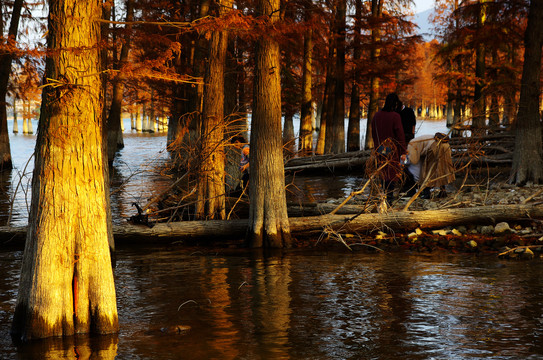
[{"x": 304, "y": 304}]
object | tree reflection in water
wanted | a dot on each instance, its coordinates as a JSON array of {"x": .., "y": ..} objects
[{"x": 305, "y": 304}]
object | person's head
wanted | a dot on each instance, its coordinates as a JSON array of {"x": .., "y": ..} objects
[
  {"x": 391, "y": 102},
  {"x": 439, "y": 136},
  {"x": 399, "y": 106},
  {"x": 238, "y": 141}
]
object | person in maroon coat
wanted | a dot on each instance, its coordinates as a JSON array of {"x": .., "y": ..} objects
[{"x": 389, "y": 141}]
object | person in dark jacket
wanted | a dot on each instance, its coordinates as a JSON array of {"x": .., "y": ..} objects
[
  {"x": 389, "y": 140},
  {"x": 409, "y": 121}
]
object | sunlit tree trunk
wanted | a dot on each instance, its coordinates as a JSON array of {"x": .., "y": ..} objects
[
  {"x": 306, "y": 125},
  {"x": 193, "y": 119},
  {"x": 211, "y": 200},
  {"x": 25, "y": 119},
  {"x": 185, "y": 125},
  {"x": 528, "y": 154},
  {"x": 268, "y": 218},
  {"x": 327, "y": 102},
  {"x": 373, "y": 107},
  {"x": 5, "y": 72},
  {"x": 353, "y": 130},
  {"x": 66, "y": 285},
  {"x": 114, "y": 128}
]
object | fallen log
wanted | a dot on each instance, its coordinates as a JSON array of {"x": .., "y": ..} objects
[
  {"x": 316, "y": 209},
  {"x": 398, "y": 221},
  {"x": 330, "y": 162},
  {"x": 357, "y": 160}
]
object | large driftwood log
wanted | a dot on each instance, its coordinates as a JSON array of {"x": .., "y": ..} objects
[{"x": 399, "y": 221}]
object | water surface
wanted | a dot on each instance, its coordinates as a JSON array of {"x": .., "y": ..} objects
[{"x": 306, "y": 305}]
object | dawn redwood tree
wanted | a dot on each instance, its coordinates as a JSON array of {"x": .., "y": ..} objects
[
  {"x": 211, "y": 199},
  {"x": 327, "y": 101},
  {"x": 335, "y": 132},
  {"x": 114, "y": 129},
  {"x": 306, "y": 125},
  {"x": 5, "y": 71},
  {"x": 479, "y": 103},
  {"x": 375, "y": 51},
  {"x": 66, "y": 284},
  {"x": 528, "y": 153},
  {"x": 268, "y": 218},
  {"x": 353, "y": 131}
]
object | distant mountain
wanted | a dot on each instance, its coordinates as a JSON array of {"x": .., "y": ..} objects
[{"x": 425, "y": 27}]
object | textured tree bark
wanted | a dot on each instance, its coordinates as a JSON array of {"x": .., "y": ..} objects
[
  {"x": 335, "y": 134},
  {"x": 306, "y": 128},
  {"x": 373, "y": 107},
  {"x": 66, "y": 284},
  {"x": 114, "y": 130},
  {"x": 528, "y": 154},
  {"x": 5, "y": 72},
  {"x": 211, "y": 201},
  {"x": 479, "y": 102},
  {"x": 327, "y": 102},
  {"x": 268, "y": 218},
  {"x": 353, "y": 130}
]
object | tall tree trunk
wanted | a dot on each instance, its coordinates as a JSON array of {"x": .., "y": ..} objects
[
  {"x": 184, "y": 128},
  {"x": 479, "y": 103},
  {"x": 306, "y": 125},
  {"x": 373, "y": 107},
  {"x": 289, "y": 108},
  {"x": 289, "y": 144},
  {"x": 66, "y": 284},
  {"x": 457, "y": 113},
  {"x": 528, "y": 154},
  {"x": 211, "y": 200},
  {"x": 511, "y": 94},
  {"x": 353, "y": 130},
  {"x": 5, "y": 72},
  {"x": 335, "y": 135},
  {"x": 327, "y": 102},
  {"x": 194, "y": 120},
  {"x": 494, "y": 107},
  {"x": 268, "y": 218},
  {"x": 114, "y": 129},
  {"x": 104, "y": 34},
  {"x": 235, "y": 122}
]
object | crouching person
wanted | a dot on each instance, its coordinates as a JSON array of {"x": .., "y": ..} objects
[{"x": 429, "y": 164}]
